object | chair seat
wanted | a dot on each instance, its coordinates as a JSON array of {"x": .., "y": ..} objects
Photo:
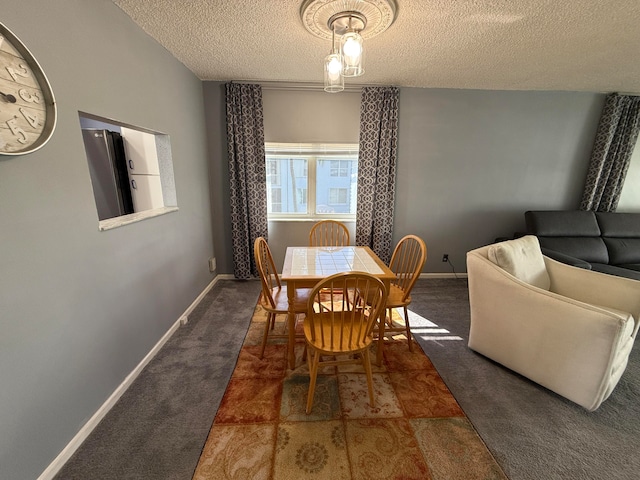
[
  {"x": 281, "y": 299},
  {"x": 394, "y": 300}
]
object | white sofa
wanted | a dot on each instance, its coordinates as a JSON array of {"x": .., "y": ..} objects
[{"x": 566, "y": 328}]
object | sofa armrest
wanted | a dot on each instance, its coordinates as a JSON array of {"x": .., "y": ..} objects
[
  {"x": 596, "y": 288},
  {"x": 564, "y": 258}
]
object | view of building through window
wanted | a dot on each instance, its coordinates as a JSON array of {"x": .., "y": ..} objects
[{"x": 311, "y": 180}]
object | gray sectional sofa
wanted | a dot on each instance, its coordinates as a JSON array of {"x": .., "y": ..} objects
[{"x": 604, "y": 242}]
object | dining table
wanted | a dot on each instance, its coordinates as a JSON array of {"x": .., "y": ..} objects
[{"x": 304, "y": 267}]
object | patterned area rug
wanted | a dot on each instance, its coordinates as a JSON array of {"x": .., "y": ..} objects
[{"x": 415, "y": 431}]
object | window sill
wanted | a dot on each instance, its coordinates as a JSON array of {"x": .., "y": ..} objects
[
  {"x": 111, "y": 223},
  {"x": 311, "y": 220}
]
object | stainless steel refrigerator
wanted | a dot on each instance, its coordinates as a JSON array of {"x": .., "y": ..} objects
[{"x": 108, "y": 169}]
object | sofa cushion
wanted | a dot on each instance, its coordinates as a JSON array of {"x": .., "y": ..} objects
[
  {"x": 568, "y": 259},
  {"x": 523, "y": 259},
  {"x": 614, "y": 270},
  {"x": 551, "y": 223},
  {"x": 623, "y": 250},
  {"x": 630, "y": 266},
  {"x": 624, "y": 225},
  {"x": 589, "y": 249}
]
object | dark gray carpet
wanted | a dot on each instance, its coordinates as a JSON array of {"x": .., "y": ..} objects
[
  {"x": 158, "y": 427},
  {"x": 532, "y": 432}
]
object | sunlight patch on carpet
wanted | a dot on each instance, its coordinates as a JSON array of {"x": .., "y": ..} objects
[{"x": 428, "y": 330}]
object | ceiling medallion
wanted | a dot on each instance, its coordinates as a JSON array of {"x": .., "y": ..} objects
[{"x": 373, "y": 16}]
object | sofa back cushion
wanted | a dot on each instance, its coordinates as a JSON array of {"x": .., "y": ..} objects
[
  {"x": 562, "y": 223},
  {"x": 621, "y": 234},
  {"x": 623, "y": 250},
  {"x": 573, "y": 232},
  {"x": 589, "y": 249},
  {"x": 523, "y": 259},
  {"x": 621, "y": 225}
]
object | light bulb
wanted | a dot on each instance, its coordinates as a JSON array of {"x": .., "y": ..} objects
[
  {"x": 333, "y": 80},
  {"x": 334, "y": 67},
  {"x": 352, "y": 55},
  {"x": 352, "y": 47}
]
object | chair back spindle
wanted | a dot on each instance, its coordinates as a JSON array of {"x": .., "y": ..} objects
[
  {"x": 329, "y": 233},
  {"x": 407, "y": 261},
  {"x": 267, "y": 270},
  {"x": 337, "y": 322}
]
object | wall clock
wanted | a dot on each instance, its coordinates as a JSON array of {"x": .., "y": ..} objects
[{"x": 27, "y": 105}]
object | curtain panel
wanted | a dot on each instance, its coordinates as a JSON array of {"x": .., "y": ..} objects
[
  {"x": 615, "y": 140},
  {"x": 247, "y": 174},
  {"x": 377, "y": 169}
]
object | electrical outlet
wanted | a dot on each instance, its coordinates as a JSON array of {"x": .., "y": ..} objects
[
  {"x": 445, "y": 257},
  {"x": 212, "y": 264}
]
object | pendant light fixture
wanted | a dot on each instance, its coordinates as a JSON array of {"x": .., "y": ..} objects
[
  {"x": 353, "y": 21},
  {"x": 353, "y": 54},
  {"x": 350, "y": 24},
  {"x": 333, "y": 78}
]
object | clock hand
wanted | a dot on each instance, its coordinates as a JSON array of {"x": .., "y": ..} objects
[{"x": 8, "y": 97}]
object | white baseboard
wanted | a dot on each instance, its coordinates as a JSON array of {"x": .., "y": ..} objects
[
  {"x": 92, "y": 423},
  {"x": 225, "y": 276},
  {"x": 443, "y": 275},
  {"x": 184, "y": 318}
]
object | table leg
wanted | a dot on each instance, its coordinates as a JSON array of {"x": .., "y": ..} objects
[
  {"x": 381, "y": 327},
  {"x": 291, "y": 318}
]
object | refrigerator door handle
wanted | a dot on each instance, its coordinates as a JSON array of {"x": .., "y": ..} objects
[
  {"x": 133, "y": 184},
  {"x": 131, "y": 164}
]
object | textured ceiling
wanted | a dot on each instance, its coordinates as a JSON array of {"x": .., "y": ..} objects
[{"x": 580, "y": 45}]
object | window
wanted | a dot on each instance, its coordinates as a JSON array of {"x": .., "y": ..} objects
[
  {"x": 273, "y": 172},
  {"x": 314, "y": 181},
  {"x": 340, "y": 168},
  {"x": 338, "y": 196},
  {"x": 302, "y": 196},
  {"x": 274, "y": 199}
]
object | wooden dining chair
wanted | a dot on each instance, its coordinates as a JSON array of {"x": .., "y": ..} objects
[
  {"x": 407, "y": 261},
  {"x": 338, "y": 328},
  {"x": 329, "y": 233},
  {"x": 274, "y": 298}
]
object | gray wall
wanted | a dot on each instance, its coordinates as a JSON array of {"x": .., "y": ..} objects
[
  {"x": 630, "y": 196},
  {"x": 80, "y": 308},
  {"x": 470, "y": 162},
  {"x": 214, "y": 107}
]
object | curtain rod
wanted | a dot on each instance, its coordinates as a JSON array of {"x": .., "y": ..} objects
[
  {"x": 357, "y": 87},
  {"x": 318, "y": 87}
]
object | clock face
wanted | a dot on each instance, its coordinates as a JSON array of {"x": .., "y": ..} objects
[{"x": 27, "y": 105}]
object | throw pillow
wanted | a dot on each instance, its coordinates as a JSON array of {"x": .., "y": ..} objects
[{"x": 523, "y": 259}]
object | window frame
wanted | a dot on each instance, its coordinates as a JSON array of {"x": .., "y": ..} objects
[{"x": 312, "y": 153}]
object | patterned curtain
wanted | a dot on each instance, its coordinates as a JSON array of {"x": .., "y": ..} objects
[
  {"x": 247, "y": 174},
  {"x": 377, "y": 169},
  {"x": 615, "y": 140}
]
